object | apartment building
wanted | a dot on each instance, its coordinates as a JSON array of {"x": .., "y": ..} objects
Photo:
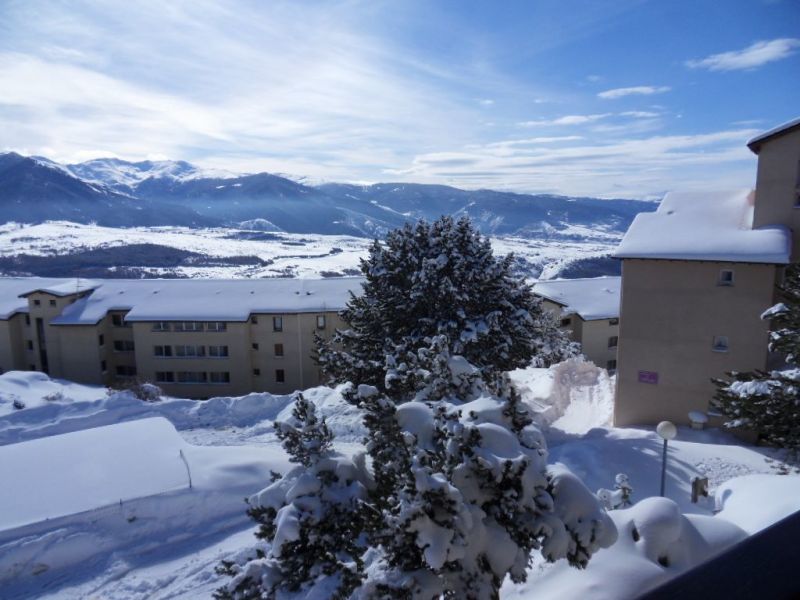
[
  {"x": 589, "y": 310},
  {"x": 696, "y": 276},
  {"x": 194, "y": 338}
]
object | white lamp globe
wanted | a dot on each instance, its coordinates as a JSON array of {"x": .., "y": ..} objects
[{"x": 667, "y": 430}]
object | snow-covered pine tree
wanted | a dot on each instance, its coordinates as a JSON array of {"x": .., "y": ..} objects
[
  {"x": 430, "y": 280},
  {"x": 768, "y": 402},
  {"x": 312, "y": 518},
  {"x": 462, "y": 493}
]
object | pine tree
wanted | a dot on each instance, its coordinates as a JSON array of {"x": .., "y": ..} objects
[
  {"x": 768, "y": 402},
  {"x": 462, "y": 495},
  {"x": 312, "y": 518},
  {"x": 439, "y": 284}
]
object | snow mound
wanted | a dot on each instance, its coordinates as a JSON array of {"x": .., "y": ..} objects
[
  {"x": 34, "y": 389},
  {"x": 656, "y": 543}
]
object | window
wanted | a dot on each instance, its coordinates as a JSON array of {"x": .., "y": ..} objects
[
  {"x": 612, "y": 341},
  {"x": 219, "y": 377},
  {"x": 188, "y": 326},
  {"x": 165, "y": 376},
  {"x": 37, "y": 302},
  {"x": 720, "y": 343},
  {"x": 216, "y": 326},
  {"x": 611, "y": 365},
  {"x": 280, "y": 375},
  {"x": 117, "y": 321},
  {"x": 320, "y": 321},
  {"x": 613, "y": 321},
  {"x": 103, "y": 366},
  {"x": 52, "y": 302},
  {"x": 566, "y": 321},
  {"x": 101, "y": 340},
  {"x": 725, "y": 277},
  {"x": 254, "y": 320},
  {"x": 123, "y": 346},
  {"x": 278, "y": 349},
  {"x": 254, "y": 345},
  {"x": 277, "y": 323},
  {"x": 192, "y": 377},
  {"x": 30, "y": 344},
  {"x": 27, "y": 320},
  {"x": 256, "y": 371},
  {"x": 162, "y": 351},
  {"x": 218, "y": 351},
  {"x": 126, "y": 371},
  {"x": 161, "y": 326},
  {"x": 190, "y": 351}
]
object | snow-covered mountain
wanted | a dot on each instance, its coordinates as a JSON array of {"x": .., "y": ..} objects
[{"x": 111, "y": 191}]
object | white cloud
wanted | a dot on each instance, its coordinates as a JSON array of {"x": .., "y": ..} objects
[
  {"x": 485, "y": 101},
  {"x": 639, "y": 90},
  {"x": 565, "y": 120},
  {"x": 633, "y": 168},
  {"x": 640, "y": 114},
  {"x": 756, "y": 55}
]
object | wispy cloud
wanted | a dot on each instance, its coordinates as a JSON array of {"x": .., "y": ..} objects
[
  {"x": 610, "y": 168},
  {"x": 638, "y": 90},
  {"x": 752, "y": 57},
  {"x": 565, "y": 120}
]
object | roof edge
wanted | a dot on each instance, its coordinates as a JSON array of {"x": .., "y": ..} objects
[{"x": 755, "y": 143}]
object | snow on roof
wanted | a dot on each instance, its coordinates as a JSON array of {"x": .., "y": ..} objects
[
  {"x": 12, "y": 289},
  {"x": 705, "y": 226},
  {"x": 208, "y": 299},
  {"x": 591, "y": 299},
  {"x": 755, "y": 143},
  {"x": 90, "y": 468},
  {"x": 64, "y": 287}
]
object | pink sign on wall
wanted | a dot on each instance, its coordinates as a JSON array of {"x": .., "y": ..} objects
[{"x": 648, "y": 377}]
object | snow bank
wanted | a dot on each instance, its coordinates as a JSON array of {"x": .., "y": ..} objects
[
  {"x": 573, "y": 396},
  {"x": 754, "y": 502},
  {"x": 77, "y": 407}
]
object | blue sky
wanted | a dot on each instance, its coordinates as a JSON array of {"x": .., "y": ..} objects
[{"x": 623, "y": 98}]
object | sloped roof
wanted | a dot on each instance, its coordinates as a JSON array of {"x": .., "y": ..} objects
[
  {"x": 713, "y": 226},
  {"x": 184, "y": 299},
  {"x": 755, "y": 143},
  {"x": 591, "y": 299}
]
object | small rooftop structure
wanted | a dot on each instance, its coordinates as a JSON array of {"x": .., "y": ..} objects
[
  {"x": 714, "y": 226},
  {"x": 591, "y": 299},
  {"x": 181, "y": 299},
  {"x": 13, "y": 290},
  {"x": 756, "y": 142}
]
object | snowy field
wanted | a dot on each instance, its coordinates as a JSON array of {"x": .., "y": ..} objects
[
  {"x": 283, "y": 254},
  {"x": 102, "y": 505}
]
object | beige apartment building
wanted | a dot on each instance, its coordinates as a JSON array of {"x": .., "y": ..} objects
[
  {"x": 194, "y": 338},
  {"x": 589, "y": 310},
  {"x": 696, "y": 276}
]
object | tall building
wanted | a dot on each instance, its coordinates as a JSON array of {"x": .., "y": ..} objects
[
  {"x": 194, "y": 338},
  {"x": 696, "y": 276}
]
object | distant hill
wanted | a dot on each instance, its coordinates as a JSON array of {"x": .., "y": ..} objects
[{"x": 114, "y": 192}]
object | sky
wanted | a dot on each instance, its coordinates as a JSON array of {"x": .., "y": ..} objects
[{"x": 613, "y": 99}]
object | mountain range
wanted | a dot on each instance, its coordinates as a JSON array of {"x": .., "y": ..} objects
[{"x": 119, "y": 193}]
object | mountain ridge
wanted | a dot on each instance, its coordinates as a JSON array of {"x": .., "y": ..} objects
[{"x": 115, "y": 192}]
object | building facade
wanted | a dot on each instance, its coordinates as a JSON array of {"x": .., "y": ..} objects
[
  {"x": 696, "y": 276},
  {"x": 589, "y": 310},
  {"x": 193, "y": 338}
]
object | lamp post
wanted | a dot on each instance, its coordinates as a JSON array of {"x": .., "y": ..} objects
[{"x": 667, "y": 431}]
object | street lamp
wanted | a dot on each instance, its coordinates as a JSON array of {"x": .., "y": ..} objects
[{"x": 667, "y": 431}]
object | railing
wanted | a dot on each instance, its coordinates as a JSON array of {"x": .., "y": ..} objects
[{"x": 763, "y": 565}]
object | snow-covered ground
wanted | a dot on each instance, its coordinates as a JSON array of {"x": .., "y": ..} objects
[
  {"x": 164, "y": 539},
  {"x": 292, "y": 255}
]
